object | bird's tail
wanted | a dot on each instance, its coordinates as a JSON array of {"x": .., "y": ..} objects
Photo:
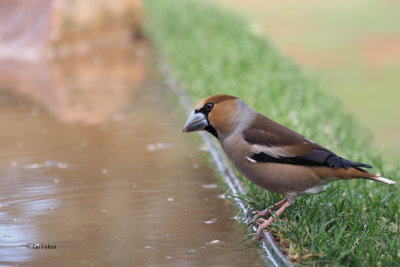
[
  {"x": 353, "y": 173},
  {"x": 383, "y": 180},
  {"x": 366, "y": 175}
]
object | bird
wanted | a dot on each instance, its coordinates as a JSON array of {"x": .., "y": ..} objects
[{"x": 271, "y": 155}]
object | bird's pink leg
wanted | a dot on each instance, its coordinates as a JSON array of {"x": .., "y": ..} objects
[
  {"x": 267, "y": 210},
  {"x": 265, "y": 223}
]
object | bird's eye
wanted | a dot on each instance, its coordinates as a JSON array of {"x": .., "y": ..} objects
[{"x": 209, "y": 106}]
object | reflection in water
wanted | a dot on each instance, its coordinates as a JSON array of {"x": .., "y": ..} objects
[
  {"x": 84, "y": 88},
  {"x": 117, "y": 184}
]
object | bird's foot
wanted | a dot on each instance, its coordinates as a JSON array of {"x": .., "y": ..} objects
[
  {"x": 262, "y": 224},
  {"x": 268, "y": 210},
  {"x": 261, "y": 213}
]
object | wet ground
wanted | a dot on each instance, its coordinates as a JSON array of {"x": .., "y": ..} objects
[{"x": 97, "y": 172}]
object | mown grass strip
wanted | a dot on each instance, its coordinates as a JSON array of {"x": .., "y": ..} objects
[{"x": 213, "y": 51}]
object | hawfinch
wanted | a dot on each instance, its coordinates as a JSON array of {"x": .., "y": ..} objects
[{"x": 271, "y": 155}]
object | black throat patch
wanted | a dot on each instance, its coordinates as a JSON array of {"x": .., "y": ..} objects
[{"x": 211, "y": 130}]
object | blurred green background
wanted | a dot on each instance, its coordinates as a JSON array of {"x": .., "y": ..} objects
[{"x": 352, "y": 46}]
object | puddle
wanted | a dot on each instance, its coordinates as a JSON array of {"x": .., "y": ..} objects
[{"x": 103, "y": 175}]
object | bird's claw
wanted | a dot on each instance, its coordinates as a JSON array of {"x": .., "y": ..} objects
[
  {"x": 260, "y": 229},
  {"x": 259, "y": 236},
  {"x": 261, "y": 213},
  {"x": 261, "y": 220},
  {"x": 262, "y": 224}
]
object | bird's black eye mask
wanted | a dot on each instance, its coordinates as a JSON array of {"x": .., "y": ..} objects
[{"x": 206, "y": 109}]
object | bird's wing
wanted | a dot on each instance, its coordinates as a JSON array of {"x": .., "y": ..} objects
[{"x": 272, "y": 142}]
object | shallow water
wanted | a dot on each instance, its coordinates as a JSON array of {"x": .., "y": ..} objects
[{"x": 105, "y": 176}]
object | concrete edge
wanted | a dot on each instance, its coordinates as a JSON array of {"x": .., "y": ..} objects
[{"x": 272, "y": 254}]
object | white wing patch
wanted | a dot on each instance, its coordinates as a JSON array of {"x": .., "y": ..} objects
[
  {"x": 309, "y": 140},
  {"x": 274, "y": 151},
  {"x": 251, "y": 160}
]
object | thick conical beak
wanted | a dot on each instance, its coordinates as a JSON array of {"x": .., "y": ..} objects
[{"x": 195, "y": 122}]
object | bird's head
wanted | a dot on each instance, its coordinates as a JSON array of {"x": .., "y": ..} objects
[{"x": 214, "y": 114}]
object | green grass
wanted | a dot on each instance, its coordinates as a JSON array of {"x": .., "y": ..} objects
[{"x": 213, "y": 51}]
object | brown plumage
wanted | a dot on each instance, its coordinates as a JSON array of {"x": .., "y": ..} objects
[{"x": 270, "y": 155}]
